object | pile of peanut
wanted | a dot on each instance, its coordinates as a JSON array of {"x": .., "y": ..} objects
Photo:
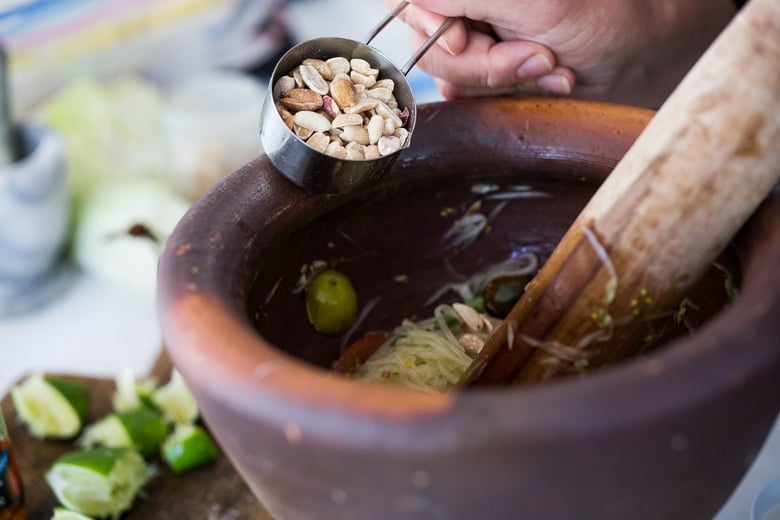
[{"x": 341, "y": 108}]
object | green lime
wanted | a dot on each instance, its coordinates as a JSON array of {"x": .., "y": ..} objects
[
  {"x": 141, "y": 428},
  {"x": 131, "y": 393},
  {"x": 175, "y": 400},
  {"x": 331, "y": 302},
  {"x": 60, "y": 513},
  {"x": 189, "y": 446},
  {"x": 53, "y": 407},
  {"x": 99, "y": 481}
]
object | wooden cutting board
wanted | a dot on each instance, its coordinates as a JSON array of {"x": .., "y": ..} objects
[{"x": 214, "y": 491}]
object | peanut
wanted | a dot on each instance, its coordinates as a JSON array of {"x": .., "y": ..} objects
[{"x": 341, "y": 108}]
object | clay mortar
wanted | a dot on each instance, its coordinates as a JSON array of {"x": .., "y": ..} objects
[{"x": 665, "y": 435}]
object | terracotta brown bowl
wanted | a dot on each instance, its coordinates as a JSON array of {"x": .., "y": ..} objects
[{"x": 666, "y": 435}]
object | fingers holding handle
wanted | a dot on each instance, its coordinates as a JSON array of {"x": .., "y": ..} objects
[{"x": 468, "y": 61}]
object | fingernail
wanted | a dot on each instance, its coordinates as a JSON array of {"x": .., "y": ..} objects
[
  {"x": 536, "y": 65},
  {"x": 556, "y": 83},
  {"x": 443, "y": 43}
]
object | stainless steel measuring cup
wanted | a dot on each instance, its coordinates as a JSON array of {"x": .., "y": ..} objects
[{"x": 316, "y": 171}]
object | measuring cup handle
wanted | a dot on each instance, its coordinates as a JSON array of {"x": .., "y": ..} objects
[
  {"x": 386, "y": 20},
  {"x": 427, "y": 45},
  {"x": 422, "y": 50}
]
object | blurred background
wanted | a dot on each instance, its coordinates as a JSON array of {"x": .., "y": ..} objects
[{"x": 126, "y": 111}]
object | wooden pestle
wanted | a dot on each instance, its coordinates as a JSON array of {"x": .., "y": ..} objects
[{"x": 673, "y": 203}]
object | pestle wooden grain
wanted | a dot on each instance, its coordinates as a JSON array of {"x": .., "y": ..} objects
[{"x": 673, "y": 203}]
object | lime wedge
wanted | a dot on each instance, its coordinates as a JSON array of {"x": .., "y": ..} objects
[
  {"x": 131, "y": 393},
  {"x": 188, "y": 447},
  {"x": 175, "y": 400},
  {"x": 141, "y": 428},
  {"x": 106, "y": 432},
  {"x": 100, "y": 481},
  {"x": 60, "y": 513},
  {"x": 52, "y": 407}
]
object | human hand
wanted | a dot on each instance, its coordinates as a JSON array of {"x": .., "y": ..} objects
[{"x": 628, "y": 51}]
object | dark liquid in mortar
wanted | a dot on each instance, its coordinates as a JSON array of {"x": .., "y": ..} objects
[{"x": 390, "y": 247}]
